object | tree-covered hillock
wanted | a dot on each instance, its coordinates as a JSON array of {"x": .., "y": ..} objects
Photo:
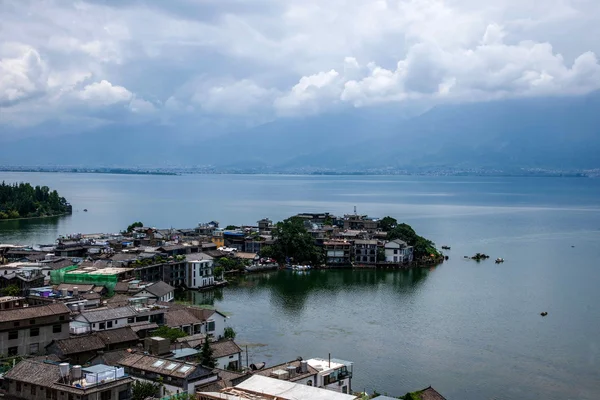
[{"x": 21, "y": 200}]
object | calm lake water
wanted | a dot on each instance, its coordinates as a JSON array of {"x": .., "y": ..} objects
[{"x": 471, "y": 330}]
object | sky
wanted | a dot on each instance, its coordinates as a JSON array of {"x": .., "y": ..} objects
[{"x": 194, "y": 64}]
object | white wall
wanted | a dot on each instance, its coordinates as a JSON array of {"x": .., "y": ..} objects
[
  {"x": 220, "y": 324},
  {"x": 196, "y": 278},
  {"x": 223, "y": 362}
]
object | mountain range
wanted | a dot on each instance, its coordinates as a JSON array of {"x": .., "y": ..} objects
[{"x": 553, "y": 133}]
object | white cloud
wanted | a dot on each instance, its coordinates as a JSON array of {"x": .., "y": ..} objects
[
  {"x": 288, "y": 58},
  {"x": 22, "y": 73},
  {"x": 104, "y": 93}
]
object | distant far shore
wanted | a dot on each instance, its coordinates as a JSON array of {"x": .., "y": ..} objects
[{"x": 434, "y": 172}]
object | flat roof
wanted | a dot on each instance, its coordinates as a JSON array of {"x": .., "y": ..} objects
[{"x": 289, "y": 390}]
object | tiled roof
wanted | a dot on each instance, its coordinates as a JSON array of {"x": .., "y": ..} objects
[
  {"x": 108, "y": 314},
  {"x": 224, "y": 348},
  {"x": 142, "y": 326},
  {"x": 179, "y": 369},
  {"x": 431, "y": 394},
  {"x": 175, "y": 318},
  {"x": 193, "y": 341},
  {"x": 33, "y": 312},
  {"x": 121, "y": 287},
  {"x": 79, "y": 344},
  {"x": 70, "y": 286},
  {"x": 119, "y": 335},
  {"x": 48, "y": 374},
  {"x": 112, "y": 357},
  {"x": 159, "y": 289}
]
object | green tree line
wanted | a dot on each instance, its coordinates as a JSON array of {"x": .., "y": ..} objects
[{"x": 21, "y": 200}]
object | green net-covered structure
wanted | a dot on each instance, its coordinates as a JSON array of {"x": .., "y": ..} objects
[{"x": 74, "y": 276}]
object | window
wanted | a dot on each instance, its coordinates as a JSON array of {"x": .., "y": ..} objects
[
  {"x": 309, "y": 382},
  {"x": 61, "y": 318},
  {"x": 123, "y": 394},
  {"x": 211, "y": 326},
  {"x": 13, "y": 351},
  {"x": 57, "y": 328},
  {"x": 109, "y": 324},
  {"x": 32, "y": 322},
  {"x": 102, "y": 325},
  {"x": 33, "y": 387},
  {"x": 34, "y": 332},
  {"x": 130, "y": 320},
  {"x": 17, "y": 323},
  {"x": 105, "y": 395},
  {"x": 18, "y": 386},
  {"x": 34, "y": 348},
  {"x": 13, "y": 335}
]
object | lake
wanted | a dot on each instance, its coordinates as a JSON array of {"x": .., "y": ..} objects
[{"x": 471, "y": 330}]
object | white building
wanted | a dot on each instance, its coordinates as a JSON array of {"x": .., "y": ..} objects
[
  {"x": 333, "y": 374},
  {"x": 398, "y": 251},
  {"x": 159, "y": 291},
  {"x": 262, "y": 387},
  {"x": 199, "y": 271}
]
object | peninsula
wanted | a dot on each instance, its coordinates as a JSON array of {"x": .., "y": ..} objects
[{"x": 21, "y": 200}]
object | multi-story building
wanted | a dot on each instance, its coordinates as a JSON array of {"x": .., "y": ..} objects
[
  {"x": 28, "y": 330},
  {"x": 118, "y": 317},
  {"x": 39, "y": 380},
  {"x": 398, "y": 252},
  {"x": 24, "y": 276},
  {"x": 199, "y": 271},
  {"x": 338, "y": 252},
  {"x": 365, "y": 251},
  {"x": 177, "y": 376},
  {"x": 172, "y": 273},
  {"x": 360, "y": 222}
]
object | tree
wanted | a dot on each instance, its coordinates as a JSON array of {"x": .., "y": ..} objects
[
  {"x": 294, "y": 241},
  {"x": 169, "y": 333},
  {"x": 230, "y": 333},
  {"x": 380, "y": 255},
  {"x": 141, "y": 390},
  {"x": 11, "y": 290},
  {"x": 131, "y": 227},
  {"x": 230, "y": 227},
  {"x": 206, "y": 358},
  {"x": 267, "y": 252},
  {"x": 388, "y": 223},
  {"x": 219, "y": 272}
]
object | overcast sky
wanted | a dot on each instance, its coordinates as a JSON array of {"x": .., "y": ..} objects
[{"x": 180, "y": 61}]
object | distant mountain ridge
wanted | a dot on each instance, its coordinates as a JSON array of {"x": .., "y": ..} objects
[{"x": 531, "y": 133}]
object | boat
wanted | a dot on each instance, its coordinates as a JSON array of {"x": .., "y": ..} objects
[
  {"x": 499, "y": 260},
  {"x": 445, "y": 247},
  {"x": 543, "y": 314},
  {"x": 301, "y": 267},
  {"x": 85, "y": 210}
]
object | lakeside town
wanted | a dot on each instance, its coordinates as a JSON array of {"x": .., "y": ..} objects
[{"x": 94, "y": 315}]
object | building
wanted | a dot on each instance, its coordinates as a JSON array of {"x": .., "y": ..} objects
[
  {"x": 113, "y": 318},
  {"x": 228, "y": 354},
  {"x": 23, "y": 275},
  {"x": 365, "y": 251},
  {"x": 159, "y": 291},
  {"x": 360, "y": 222},
  {"x": 38, "y": 380},
  {"x": 28, "y": 330},
  {"x": 265, "y": 225},
  {"x": 184, "y": 320},
  {"x": 398, "y": 252},
  {"x": 338, "y": 253},
  {"x": 259, "y": 387},
  {"x": 199, "y": 271},
  {"x": 172, "y": 272},
  {"x": 11, "y": 302},
  {"x": 177, "y": 376},
  {"x": 297, "y": 371},
  {"x": 333, "y": 374}
]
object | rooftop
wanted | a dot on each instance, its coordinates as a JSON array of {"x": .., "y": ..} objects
[
  {"x": 285, "y": 390},
  {"x": 224, "y": 348},
  {"x": 18, "y": 314},
  {"x": 47, "y": 374},
  {"x": 159, "y": 289},
  {"x": 163, "y": 366},
  {"x": 296, "y": 363}
]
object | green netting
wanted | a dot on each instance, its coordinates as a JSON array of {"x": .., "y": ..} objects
[
  {"x": 58, "y": 276},
  {"x": 109, "y": 281}
]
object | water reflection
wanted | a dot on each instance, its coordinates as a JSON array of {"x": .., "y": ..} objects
[
  {"x": 32, "y": 231},
  {"x": 290, "y": 290}
]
